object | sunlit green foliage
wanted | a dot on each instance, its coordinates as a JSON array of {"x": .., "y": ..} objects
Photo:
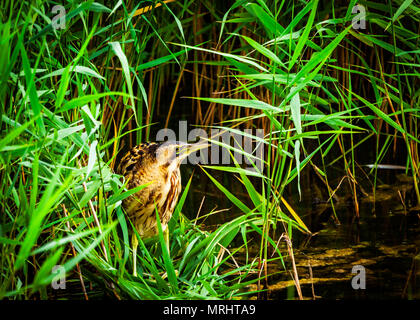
[{"x": 70, "y": 97}]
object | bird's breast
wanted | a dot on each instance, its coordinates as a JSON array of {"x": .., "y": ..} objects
[{"x": 163, "y": 191}]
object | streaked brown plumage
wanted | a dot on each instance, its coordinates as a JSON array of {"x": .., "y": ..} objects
[{"x": 157, "y": 166}]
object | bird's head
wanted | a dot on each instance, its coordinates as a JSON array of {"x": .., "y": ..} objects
[
  {"x": 167, "y": 155},
  {"x": 169, "y": 152},
  {"x": 173, "y": 152}
]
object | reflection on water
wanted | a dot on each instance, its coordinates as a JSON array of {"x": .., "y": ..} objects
[
  {"x": 385, "y": 240},
  {"x": 385, "y": 246}
]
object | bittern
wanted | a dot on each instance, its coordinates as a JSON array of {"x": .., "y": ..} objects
[{"x": 157, "y": 167}]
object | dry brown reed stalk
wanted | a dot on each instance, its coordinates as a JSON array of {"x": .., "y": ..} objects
[
  {"x": 197, "y": 88},
  {"x": 150, "y": 102},
  {"x": 148, "y": 8},
  {"x": 350, "y": 177},
  {"x": 294, "y": 275},
  {"x": 174, "y": 97},
  {"x": 312, "y": 280},
  {"x": 262, "y": 265}
]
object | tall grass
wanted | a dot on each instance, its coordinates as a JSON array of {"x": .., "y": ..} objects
[
  {"x": 73, "y": 98},
  {"x": 69, "y": 97},
  {"x": 315, "y": 78}
]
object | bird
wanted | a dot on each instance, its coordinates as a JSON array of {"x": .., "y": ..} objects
[{"x": 156, "y": 167}]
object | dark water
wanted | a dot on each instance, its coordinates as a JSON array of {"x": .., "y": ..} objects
[
  {"x": 384, "y": 240},
  {"x": 386, "y": 244}
]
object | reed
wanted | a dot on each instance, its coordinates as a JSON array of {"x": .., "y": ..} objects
[{"x": 71, "y": 99}]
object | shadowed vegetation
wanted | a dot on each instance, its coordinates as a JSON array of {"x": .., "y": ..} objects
[{"x": 324, "y": 86}]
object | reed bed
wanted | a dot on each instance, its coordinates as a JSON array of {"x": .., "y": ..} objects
[{"x": 72, "y": 99}]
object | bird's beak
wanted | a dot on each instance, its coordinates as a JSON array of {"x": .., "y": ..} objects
[{"x": 187, "y": 148}]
